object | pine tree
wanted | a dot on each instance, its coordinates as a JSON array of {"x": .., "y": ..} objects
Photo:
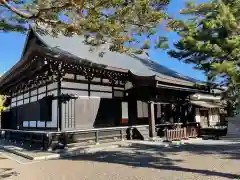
[
  {"x": 119, "y": 22},
  {"x": 210, "y": 39}
]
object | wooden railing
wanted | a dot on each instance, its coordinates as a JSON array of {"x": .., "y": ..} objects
[
  {"x": 93, "y": 136},
  {"x": 175, "y": 134},
  {"x": 180, "y": 133},
  {"x": 192, "y": 132}
]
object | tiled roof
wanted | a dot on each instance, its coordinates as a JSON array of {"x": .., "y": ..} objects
[{"x": 140, "y": 65}]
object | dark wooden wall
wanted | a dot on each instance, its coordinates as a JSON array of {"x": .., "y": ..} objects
[
  {"x": 40, "y": 110},
  {"x": 88, "y": 113},
  {"x": 29, "y": 111},
  {"x": 98, "y": 103}
]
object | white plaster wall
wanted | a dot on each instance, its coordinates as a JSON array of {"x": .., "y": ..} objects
[
  {"x": 53, "y": 92},
  {"x": 14, "y": 99},
  {"x": 96, "y": 79},
  {"x": 53, "y": 123},
  {"x": 125, "y": 110},
  {"x": 26, "y": 101},
  {"x": 210, "y": 117},
  {"x": 42, "y": 89},
  {"x": 19, "y": 103},
  {"x": 197, "y": 115},
  {"x": 142, "y": 109},
  {"x": 100, "y": 88},
  {"x": 41, "y": 124},
  {"x": 68, "y": 76},
  {"x": 106, "y": 81},
  {"x": 33, "y": 99},
  {"x": 74, "y": 85},
  {"x": 78, "y": 77},
  {"x": 81, "y": 89},
  {"x": 25, "y": 123},
  {"x": 33, "y": 123},
  {"x": 214, "y": 117},
  {"x": 52, "y": 86},
  {"x": 34, "y": 92},
  {"x": 101, "y": 94},
  {"x": 13, "y": 104},
  {"x": 118, "y": 88},
  {"x": 40, "y": 96},
  {"x": 26, "y": 95},
  {"x": 75, "y": 92}
]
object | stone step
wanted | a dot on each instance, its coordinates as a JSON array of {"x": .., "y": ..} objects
[{"x": 144, "y": 131}]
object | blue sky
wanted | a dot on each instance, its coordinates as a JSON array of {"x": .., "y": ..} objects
[{"x": 12, "y": 44}]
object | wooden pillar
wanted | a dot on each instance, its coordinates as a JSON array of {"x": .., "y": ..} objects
[
  {"x": 151, "y": 119},
  {"x": 59, "y": 106}
]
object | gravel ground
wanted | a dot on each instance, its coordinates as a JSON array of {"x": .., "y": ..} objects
[{"x": 140, "y": 162}]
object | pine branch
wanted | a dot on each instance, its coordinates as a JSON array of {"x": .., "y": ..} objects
[
  {"x": 126, "y": 21},
  {"x": 29, "y": 15},
  {"x": 15, "y": 10}
]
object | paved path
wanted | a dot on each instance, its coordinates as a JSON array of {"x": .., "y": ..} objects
[{"x": 197, "y": 161}]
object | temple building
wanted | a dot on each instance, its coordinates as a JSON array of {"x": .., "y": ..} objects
[{"x": 60, "y": 85}]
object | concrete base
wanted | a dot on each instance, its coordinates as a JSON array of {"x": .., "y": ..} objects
[
  {"x": 234, "y": 126},
  {"x": 70, "y": 152}
]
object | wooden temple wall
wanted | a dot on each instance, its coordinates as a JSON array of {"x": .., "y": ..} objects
[
  {"x": 78, "y": 85},
  {"x": 98, "y": 103},
  {"x": 26, "y": 112}
]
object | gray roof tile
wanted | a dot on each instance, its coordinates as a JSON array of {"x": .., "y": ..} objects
[{"x": 140, "y": 65}]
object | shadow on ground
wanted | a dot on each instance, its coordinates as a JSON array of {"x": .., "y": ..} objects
[
  {"x": 7, "y": 172},
  {"x": 153, "y": 156}
]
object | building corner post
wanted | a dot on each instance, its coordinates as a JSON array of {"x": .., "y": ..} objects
[
  {"x": 151, "y": 120},
  {"x": 59, "y": 106}
]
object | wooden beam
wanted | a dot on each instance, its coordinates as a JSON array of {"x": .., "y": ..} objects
[{"x": 151, "y": 119}]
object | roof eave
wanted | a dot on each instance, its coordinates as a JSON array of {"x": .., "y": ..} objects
[{"x": 168, "y": 79}]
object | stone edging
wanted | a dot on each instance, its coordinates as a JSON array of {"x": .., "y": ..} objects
[{"x": 80, "y": 151}]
